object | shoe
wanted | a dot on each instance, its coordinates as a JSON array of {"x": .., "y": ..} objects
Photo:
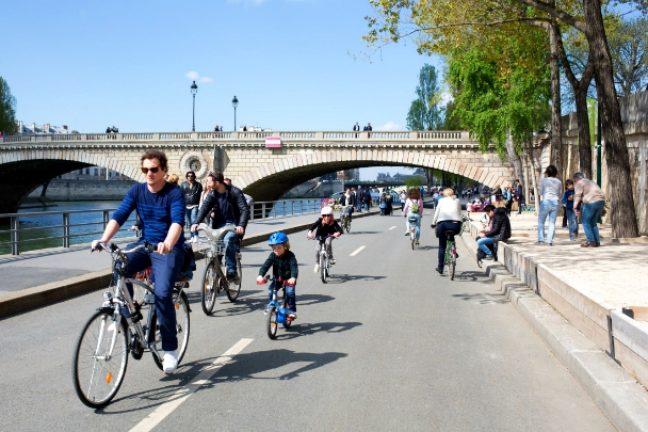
[
  {"x": 292, "y": 316},
  {"x": 316, "y": 269},
  {"x": 439, "y": 270},
  {"x": 332, "y": 261},
  {"x": 406, "y": 233},
  {"x": 479, "y": 263},
  {"x": 489, "y": 257},
  {"x": 232, "y": 277},
  {"x": 598, "y": 244},
  {"x": 170, "y": 361},
  {"x": 589, "y": 244}
]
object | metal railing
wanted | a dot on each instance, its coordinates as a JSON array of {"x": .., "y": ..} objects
[{"x": 28, "y": 231}]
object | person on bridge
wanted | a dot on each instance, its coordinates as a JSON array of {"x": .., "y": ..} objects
[
  {"x": 447, "y": 217},
  {"x": 284, "y": 268},
  {"x": 227, "y": 206},
  {"x": 160, "y": 206},
  {"x": 192, "y": 190},
  {"x": 327, "y": 228}
]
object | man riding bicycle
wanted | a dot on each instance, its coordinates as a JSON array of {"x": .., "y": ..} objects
[
  {"x": 228, "y": 207},
  {"x": 326, "y": 228},
  {"x": 161, "y": 209},
  {"x": 447, "y": 217}
]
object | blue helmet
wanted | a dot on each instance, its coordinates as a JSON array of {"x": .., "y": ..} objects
[{"x": 278, "y": 237}]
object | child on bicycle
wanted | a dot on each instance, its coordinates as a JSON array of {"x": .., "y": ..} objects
[
  {"x": 327, "y": 228},
  {"x": 284, "y": 269}
]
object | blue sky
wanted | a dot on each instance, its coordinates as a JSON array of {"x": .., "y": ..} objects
[{"x": 293, "y": 65}]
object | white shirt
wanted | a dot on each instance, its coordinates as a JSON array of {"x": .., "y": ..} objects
[{"x": 448, "y": 209}]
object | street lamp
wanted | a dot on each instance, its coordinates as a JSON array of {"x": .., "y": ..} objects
[
  {"x": 235, "y": 104},
  {"x": 194, "y": 90}
]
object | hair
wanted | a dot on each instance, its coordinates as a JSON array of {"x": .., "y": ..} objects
[
  {"x": 488, "y": 208},
  {"x": 190, "y": 172},
  {"x": 551, "y": 171},
  {"x": 569, "y": 182},
  {"x": 579, "y": 176},
  {"x": 217, "y": 176},
  {"x": 155, "y": 154},
  {"x": 448, "y": 192},
  {"x": 414, "y": 192},
  {"x": 173, "y": 178},
  {"x": 286, "y": 245}
]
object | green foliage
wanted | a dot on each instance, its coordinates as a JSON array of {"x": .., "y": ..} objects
[
  {"x": 424, "y": 113},
  {"x": 7, "y": 112},
  {"x": 413, "y": 182}
]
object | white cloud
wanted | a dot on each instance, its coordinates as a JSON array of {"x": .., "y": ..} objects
[
  {"x": 248, "y": 2},
  {"x": 195, "y": 76},
  {"x": 446, "y": 98},
  {"x": 390, "y": 126}
]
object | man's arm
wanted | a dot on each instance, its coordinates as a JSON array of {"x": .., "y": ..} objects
[
  {"x": 175, "y": 231},
  {"x": 205, "y": 208}
]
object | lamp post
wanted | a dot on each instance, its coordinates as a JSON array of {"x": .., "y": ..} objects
[
  {"x": 194, "y": 90},
  {"x": 235, "y": 104}
]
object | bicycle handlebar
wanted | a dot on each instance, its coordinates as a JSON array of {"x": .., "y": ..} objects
[{"x": 214, "y": 234}]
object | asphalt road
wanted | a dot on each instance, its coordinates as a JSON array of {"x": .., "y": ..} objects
[{"x": 387, "y": 345}]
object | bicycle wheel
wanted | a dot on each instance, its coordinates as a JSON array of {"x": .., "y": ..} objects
[
  {"x": 208, "y": 288},
  {"x": 234, "y": 287},
  {"x": 451, "y": 259},
  {"x": 183, "y": 328},
  {"x": 323, "y": 265},
  {"x": 272, "y": 323},
  {"x": 97, "y": 370}
]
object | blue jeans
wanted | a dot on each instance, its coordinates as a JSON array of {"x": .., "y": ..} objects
[
  {"x": 165, "y": 270},
  {"x": 548, "y": 209},
  {"x": 483, "y": 244},
  {"x": 441, "y": 229},
  {"x": 591, "y": 215},
  {"x": 417, "y": 224},
  {"x": 572, "y": 223},
  {"x": 291, "y": 298},
  {"x": 231, "y": 241},
  {"x": 190, "y": 218}
]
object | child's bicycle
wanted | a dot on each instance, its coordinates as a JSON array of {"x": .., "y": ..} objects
[
  {"x": 213, "y": 280},
  {"x": 324, "y": 260},
  {"x": 122, "y": 326},
  {"x": 277, "y": 310}
]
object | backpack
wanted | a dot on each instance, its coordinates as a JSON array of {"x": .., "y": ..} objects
[{"x": 414, "y": 207}]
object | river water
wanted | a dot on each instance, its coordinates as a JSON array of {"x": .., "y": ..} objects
[{"x": 43, "y": 227}]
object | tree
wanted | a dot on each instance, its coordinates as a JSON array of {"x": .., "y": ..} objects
[
  {"x": 442, "y": 19},
  {"x": 7, "y": 112},
  {"x": 628, "y": 44},
  {"x": 424, "y": 114}
]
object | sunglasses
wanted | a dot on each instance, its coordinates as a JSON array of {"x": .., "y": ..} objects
[
  {"x": 327, "y": 216},
  {"x": 153, "y": 170}
]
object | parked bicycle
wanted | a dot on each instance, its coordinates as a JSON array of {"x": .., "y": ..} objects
[
  {"x": 122, "y": 326},
  {"x": 213, "y": 280},
  {"x": 277, "y": 310}
]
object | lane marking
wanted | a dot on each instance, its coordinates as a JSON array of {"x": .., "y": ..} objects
[
  {"x": 357, "y": 251},
  {"x": 161, "y": 412},
  {"x": 392, "y": 227}
]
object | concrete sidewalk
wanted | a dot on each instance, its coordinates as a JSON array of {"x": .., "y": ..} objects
[{"x": 579, "y": 300}]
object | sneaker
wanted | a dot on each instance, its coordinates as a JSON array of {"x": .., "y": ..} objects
[
  {"x": 479, "y": 263},
  {"x": 316, "y": 269},
  {"x": 170, "y": 361},
  {"x": 232, "y": 277},
  {"x": 332, "y": 261},
  {"x": 292, "y": 316},
  {"x": 489, "y": 257},
  {"x": 406, "y": 233},
  {"x": 439, "y": 270}
]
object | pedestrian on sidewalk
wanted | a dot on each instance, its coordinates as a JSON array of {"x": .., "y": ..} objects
[
  {"x": 568, "y": 205},
  {"x": 593, "y": 203},
  {"x": 550, "y": 193}
]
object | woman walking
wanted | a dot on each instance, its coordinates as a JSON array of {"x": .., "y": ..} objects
[
  {"x": 550, "y": 193},
  {"x": 593, "y": 201}
]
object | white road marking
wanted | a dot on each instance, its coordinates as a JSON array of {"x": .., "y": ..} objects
[
  {"x": 357, "y": 251},
  {"x": 392, "y": 227},
  {"x": 175, "y": 400}
]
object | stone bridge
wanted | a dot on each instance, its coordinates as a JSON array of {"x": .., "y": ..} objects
[{"x": 264, "y": 164}]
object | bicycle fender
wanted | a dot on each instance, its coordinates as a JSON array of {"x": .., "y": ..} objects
[{"x": 186, "y": 299}]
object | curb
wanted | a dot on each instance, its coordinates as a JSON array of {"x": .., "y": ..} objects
[{"x": 43, "y": 295}]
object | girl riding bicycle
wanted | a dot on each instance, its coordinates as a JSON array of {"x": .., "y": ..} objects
[
  {"x": 284, "y": 269},
  {"x": 325, "y": 227},
  {"x": 413, "y": 211}
]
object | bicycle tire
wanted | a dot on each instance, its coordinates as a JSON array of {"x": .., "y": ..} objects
[
  {"x": 234, "y": 289},
  {"x": 453, "y": 266},
  {"x": 183, "y": 328},
  {"x": 208, "y": 290},
  {"x": 271, "y": 322},
  {"x": 323, "y": 269},
  {"x": 106, "y": 375}
]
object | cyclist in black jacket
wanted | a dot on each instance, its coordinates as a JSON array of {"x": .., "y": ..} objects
[
  {"x": 325, "y": 227},
  {"x": 227, "y": 206}
]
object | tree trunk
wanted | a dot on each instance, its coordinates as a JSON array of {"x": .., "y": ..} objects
[
  {"x": 514, "y": 158},
  {"x": 623, "y": 216},
  {"x": 556, "y": 121},
  {"x": 584, "y": 138}
]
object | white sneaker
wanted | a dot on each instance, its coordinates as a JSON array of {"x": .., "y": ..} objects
[
  {"x": 170, "y": 361},
  {"x": 316, "y": 268}
]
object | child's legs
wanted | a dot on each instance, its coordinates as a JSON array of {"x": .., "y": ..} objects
[{"x": 291, "y": 298}]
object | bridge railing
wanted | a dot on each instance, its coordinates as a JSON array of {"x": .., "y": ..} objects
[
  {"x": 28, "y": 231},
  {"x": 360, "y": 136}
]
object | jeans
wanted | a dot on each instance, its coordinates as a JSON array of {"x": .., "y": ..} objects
[
  {"x": 441, "y": 229},
  {"x": 165, "y": 270},
  {"x": 591, "y": 215},
  {"x": 190, "y": 218},
  {"x": 291, "y": 298},
  {"x": 548, "y": 209},
  {"x": 483, "y": 244},
  {"x": 417, "y": 224},
  {"x": 572, "y": 223},
  {"x": 231, "y": 241}
]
